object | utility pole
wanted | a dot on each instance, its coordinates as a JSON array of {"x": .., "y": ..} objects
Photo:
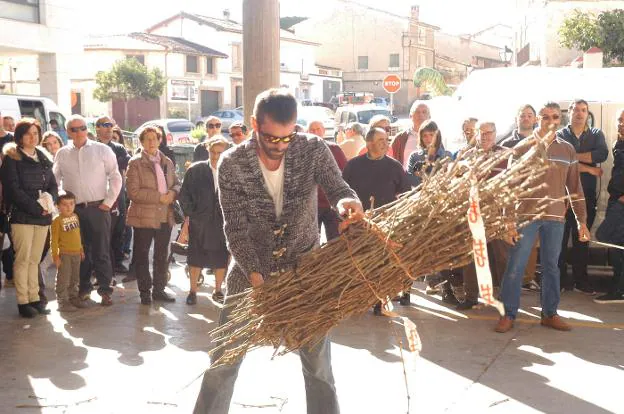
[{"x": 261, "y": 54}]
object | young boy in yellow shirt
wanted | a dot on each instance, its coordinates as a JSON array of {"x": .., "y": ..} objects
[{"x": 67, "y": 253}]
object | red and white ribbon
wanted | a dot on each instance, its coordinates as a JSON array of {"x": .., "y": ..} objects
[{"x": 479, "y": 251}]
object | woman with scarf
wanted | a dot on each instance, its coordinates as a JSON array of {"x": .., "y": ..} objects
[{"x": 152, "y": 187}]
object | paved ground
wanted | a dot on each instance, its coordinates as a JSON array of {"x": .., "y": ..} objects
[{"x": 138, "y": 359}]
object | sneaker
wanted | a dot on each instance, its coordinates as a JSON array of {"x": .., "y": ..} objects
[
  {"x": 67, "y": 307},
  {"x": 377, "y": 309},
  {"x": 555, "y": 322},
  {"x": 406, "y": 299},
  {"x": 585, "y": 290},
  {"x": 610, "y": 298},
  {"x": 532, "y": 286},
  {"x": 162, "y": 296},
  {"x": 218, "y": 297},
  {"x": 106, "y": 299},
  {"x": 467, "y": 305},
  {"x": 191, "y": 299}
]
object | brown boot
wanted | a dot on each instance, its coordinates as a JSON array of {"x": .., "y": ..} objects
[
  {"x": 556, "y": 322},
  {"x": 504, "y": 324}
]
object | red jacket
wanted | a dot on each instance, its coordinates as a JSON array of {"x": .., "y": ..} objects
[{"x": 341, "y": 160}]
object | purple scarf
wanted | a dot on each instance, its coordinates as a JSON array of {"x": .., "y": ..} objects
[{"x": 160, "y": 174}]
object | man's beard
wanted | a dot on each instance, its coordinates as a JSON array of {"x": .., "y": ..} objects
[{"x": 271, "y": 154}]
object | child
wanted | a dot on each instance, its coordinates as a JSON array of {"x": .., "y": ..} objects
[{"x": 67, "y": 253}]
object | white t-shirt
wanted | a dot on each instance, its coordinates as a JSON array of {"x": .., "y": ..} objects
[
  {"x": 274, "y": 181},
  {"x": 410, "y": 146},
  {"x": 214, "y": 177}
]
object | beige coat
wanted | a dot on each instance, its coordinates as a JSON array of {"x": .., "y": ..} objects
[{"x": 145, "y": 209}]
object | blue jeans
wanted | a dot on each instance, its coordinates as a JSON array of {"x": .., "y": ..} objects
[
  {"x": 218, "y": 383},
  {"x": 550, "y": 233}
]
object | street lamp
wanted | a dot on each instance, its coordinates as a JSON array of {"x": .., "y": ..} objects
[{"x": 505, "y": 54}]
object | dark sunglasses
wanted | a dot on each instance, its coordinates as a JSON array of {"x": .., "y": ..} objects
[
  {"x": 76, "y": 129},
  {"x": 274, "y": 140},
  {"x": 214, "y": 125},
  {"x": 104, "y": 125}
]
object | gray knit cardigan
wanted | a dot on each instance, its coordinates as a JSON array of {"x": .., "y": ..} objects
[{"x": 257, "y": 241}]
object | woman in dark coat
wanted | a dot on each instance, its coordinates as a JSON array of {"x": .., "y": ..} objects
[
  {"x": 27, "y": 174},
  {"x": 200, "y": 201}
]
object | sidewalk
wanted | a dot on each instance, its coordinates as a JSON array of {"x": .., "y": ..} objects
[{"x": 138, "y": 359}]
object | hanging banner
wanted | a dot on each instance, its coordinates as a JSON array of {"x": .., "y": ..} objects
[{"x": 479, "y": 251}]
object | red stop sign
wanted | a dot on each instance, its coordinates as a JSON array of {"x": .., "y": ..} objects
[{"x": 392, "y": 83}]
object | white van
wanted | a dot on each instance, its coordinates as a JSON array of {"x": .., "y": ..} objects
[{"x": 42, "y": 109}]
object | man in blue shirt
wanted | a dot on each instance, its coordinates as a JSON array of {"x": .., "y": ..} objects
[{"x": 591, "y": 149}]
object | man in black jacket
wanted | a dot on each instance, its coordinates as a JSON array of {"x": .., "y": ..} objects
[
  {"x": 104, "y": 131},
  {"x": 612, "y": 228},
  {"x": 591, "y": 149}
]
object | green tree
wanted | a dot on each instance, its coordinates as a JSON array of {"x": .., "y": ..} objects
[
  {"x": 585, "y": 30},
  {"x": 128, "y": 79},
  {"x": 579, "y": 31},
  {"x": 611, "y": 32}
]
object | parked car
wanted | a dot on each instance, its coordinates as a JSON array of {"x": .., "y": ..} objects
[
  {"x": 362, "y": 114},
  {"x": 228, "y": 117},
  {"x": 177, "y": 130},
  {"x": 380, "y": 101},
  {"x": 307, "y": 114}
]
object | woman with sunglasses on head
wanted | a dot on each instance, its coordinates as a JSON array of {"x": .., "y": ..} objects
[
  {"x": 26, "y": 174},
  {"x": 420, "y": 164},
  {"x": 213, "y": 127},
  {"x": 52, "y": 142},
  {"x": 199, "y": 198}
]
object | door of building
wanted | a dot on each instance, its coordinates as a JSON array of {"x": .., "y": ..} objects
[
  {"x": 330, "y": 89},
  {"x": 209, "y": 102},
  {"x": 239, "y": 96}
]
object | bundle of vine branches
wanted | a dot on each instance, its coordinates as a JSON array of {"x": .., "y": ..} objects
[{"x": 423, "y": 232}]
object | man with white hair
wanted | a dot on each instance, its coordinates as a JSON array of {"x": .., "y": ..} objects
[
  {"x": 89, "y": 170},
  {"x": 407, "y": 141},
  {"x": 354, "y": 142}
]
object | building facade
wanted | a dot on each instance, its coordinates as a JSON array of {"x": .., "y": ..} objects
[
  {"x": 369, "y": 43},
  {"x": 38, "y": 36}
]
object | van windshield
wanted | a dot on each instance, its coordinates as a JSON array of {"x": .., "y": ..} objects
[{"x": 365, "y": 116}]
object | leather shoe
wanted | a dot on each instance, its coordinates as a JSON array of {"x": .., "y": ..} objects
[
  {"x": 162, "y": 296},
  {"x": 555, "y": 322},
  {"x": 504, "y": 324}
]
